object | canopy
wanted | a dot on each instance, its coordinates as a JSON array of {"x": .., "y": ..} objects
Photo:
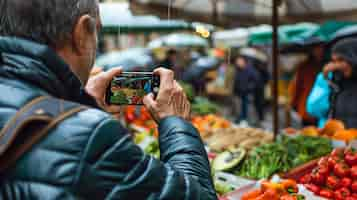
[
  {"x": 326, "y": 33},
  {"x": 262, "y": 34},
  {"x": 179, "y": 40},
  {"x": 231, "y": 38},
  {"x": 117, "y": 18},
  {"x": 134, "y": 59},
  {"x": 250, "y": 12}
]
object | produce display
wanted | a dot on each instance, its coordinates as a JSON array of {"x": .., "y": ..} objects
[
  {"x": 333, "y": 129},
  {"x": 232, "y": 137},
  {"x": 283, "y": 190},
  {"x": 208, "y": 124},
  {"x": 335, "y": 176},
  {"x": 203, "y": 106},
  {"x": 148, "y": 143},
  {"x": 240, "y": 155},
  {"x": 267, "y": 159},
  {"x": 264, "y": 161},
  {"x": 138, "y": 117}
]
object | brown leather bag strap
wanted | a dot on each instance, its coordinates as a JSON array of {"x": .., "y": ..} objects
[{"x": 30, "y": 124}]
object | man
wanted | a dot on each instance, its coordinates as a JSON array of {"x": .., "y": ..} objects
[
  {"x": 343, "y": 65},
  {"x": 48, "y": 48},
  {"x": 245, "y": 83}
]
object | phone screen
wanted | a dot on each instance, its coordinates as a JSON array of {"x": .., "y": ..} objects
[{"x": 130, "y": 88}]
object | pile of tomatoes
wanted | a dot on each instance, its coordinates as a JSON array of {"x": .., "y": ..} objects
[{"x": 335, "y": 176}]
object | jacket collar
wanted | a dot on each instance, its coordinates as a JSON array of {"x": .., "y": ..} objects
[{"x": 40, "y": 66}]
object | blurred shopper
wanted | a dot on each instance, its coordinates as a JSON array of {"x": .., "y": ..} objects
[
  {"x": 245, "y": 83},
  {"x": 171, "y": 62},
  {"x": 259, "y": 92},
  {"x": 47, "y": 49},
  {"x": 343, "y": 66},
  {"x": 300, "y": 87}
]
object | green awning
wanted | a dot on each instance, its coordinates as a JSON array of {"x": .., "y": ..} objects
[{"x": 262, "y": 35}]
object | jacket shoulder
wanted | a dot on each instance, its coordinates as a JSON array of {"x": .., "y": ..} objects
[{"x": 58, "y": 158}]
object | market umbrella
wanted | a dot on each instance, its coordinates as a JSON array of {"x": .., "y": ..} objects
[
  {"x": 135, "y": 59},
  {"x": 349, "y": 31},
  {"x": 178, "y": 40},
  {"x": 263, "y": 34},
  {"x": 231, "y": 38},
  {"x": 324, "y": 33}
]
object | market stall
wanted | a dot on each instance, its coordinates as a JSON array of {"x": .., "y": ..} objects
[{"x": 247, "y": 163}]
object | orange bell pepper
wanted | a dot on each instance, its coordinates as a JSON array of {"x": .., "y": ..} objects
[{"x": 252, "y": 194}]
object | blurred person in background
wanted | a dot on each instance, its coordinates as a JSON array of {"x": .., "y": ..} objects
[
  {"x": 47, "y": 49},
  {"x": 171, "y": 62},
  {"x": 259, "y": 91},
  {"x": 246, "y": 81},
  {"x": 300, "y": 87},
  {"x": 343, "y": 66}
]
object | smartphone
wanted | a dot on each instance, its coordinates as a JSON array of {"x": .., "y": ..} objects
[{"x": 129, "y": 88}]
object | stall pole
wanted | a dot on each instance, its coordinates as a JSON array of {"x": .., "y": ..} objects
[{"x": 275, "y": 24}]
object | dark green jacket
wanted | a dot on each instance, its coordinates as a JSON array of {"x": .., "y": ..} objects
[{"x": 90, "y": 155}]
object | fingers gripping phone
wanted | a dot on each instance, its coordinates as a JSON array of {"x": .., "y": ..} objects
[{"x": 129, "y": 88}]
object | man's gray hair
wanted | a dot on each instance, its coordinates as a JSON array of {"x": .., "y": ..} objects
[{"x": 48, "y": 22}]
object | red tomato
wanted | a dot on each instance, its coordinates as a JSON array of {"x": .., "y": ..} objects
[
  {"x": 354, "y": 186},
  {"x": 332, "y": 161},
  {"x": 323, "y": 170},
  {"x": 351, "y": 157},
  {"x": 323, "y": 161},
  {"x": 340, "y": 195},
  {"x": 354, "y": 195},
  {"x": 313, "y": 188},
  {"x": 332, "y": 182},
  {"x": 345, "y": 182},
  {"x": 345, "y": 192},
  {"x": 318, "y": 178},
  {"x": 341, "y": 170},
  {"x": 354, "y": 172},
  {"x": 326, "y": 193},
  {"x": 351, "y": 198},
  {"x": 305, "y": 179},
  {"x": 338, "y": 152}
]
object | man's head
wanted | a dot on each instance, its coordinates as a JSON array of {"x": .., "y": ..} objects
[
  {"x": 172, "y": 55},
  {"x": 68, "y": 26},
  {"x": 241, "y": 62}
]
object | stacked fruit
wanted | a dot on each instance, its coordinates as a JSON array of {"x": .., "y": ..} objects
[{"x": 335, "y": 176}]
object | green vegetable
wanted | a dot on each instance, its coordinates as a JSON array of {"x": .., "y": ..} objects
[
  {"x": 264, "y": 161},
  {"x": 153, "y": 149},
  {"x": 203, "y": 106},
  {"x": 285, "y": 154},
  {"x": 222, "y": 188}
]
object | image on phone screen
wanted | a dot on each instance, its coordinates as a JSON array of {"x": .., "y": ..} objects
[{"x": 130, "y": 90}]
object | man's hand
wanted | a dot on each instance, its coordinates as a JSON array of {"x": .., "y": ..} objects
[
  {"x": 97, "y": 86},
  {"x": 171, "y": 99}
]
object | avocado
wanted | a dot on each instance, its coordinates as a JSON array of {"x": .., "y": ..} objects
[{"x": 228, "y": 159}]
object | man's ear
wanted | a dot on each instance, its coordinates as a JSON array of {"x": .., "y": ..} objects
[{"x": 83, "y": 29}]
